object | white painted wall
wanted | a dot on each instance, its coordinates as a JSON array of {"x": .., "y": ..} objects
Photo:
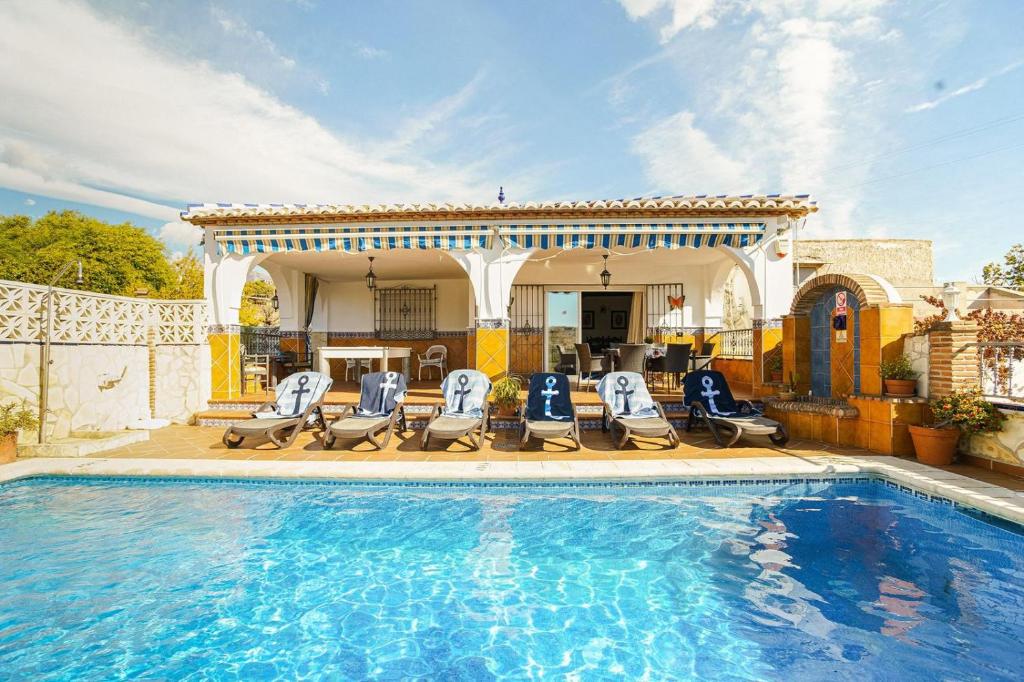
[{"x": 348, "y": 306}]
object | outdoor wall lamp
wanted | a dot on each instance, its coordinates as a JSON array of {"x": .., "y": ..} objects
[
  {"x": 606, "y": 277},
  {"x": 275, "y": 301},
  {"x": 46, "y": 327},
  {"x": 371, "y": 277}
]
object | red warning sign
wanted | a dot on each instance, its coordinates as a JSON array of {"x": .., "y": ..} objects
[{"x": 840, "y": 303}]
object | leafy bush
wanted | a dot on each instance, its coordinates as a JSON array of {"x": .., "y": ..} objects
[
  {"x": 506, "y": 391},
  {"x": 16, "y": 417},
  {"x": 968, "y": 410},
  {"x": 774, "y": 362},
  {"x": 899, "y": 369}
]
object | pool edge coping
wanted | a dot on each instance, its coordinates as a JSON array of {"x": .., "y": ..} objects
[{"x": 983, "y": 496}]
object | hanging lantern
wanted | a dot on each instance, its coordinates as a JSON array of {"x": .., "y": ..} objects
[
  {"x": 606, "y": 277},
  {"x": 275, "y": 301},
  {"x": 371, "y": 277}
]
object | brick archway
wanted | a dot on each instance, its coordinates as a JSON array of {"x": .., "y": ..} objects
[{"x": 865, "y": 288}]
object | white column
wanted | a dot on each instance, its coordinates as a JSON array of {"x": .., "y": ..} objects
[
  {"x": 223, "y": 281},
  {"x": 290, "y": 287},
  {"x": 491, "y": 272},
  {"x": 768, "y": 269}
]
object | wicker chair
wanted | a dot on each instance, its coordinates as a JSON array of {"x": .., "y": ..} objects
[
  {"x": 588, "y": 364},
  {"x": 677, "y": 360},
  {"x": 632, "y": 357}
]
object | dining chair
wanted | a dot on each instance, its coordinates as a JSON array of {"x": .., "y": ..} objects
[
  {"x": 632, "y": 357},
  {"x": 588, "y": 364},
  {"x": 436, "y": 356}
]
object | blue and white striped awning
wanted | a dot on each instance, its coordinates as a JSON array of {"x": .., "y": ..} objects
[
  {"x": 445, "y": 238},
  {"x": 634, "y": 235},
  {"x": 458, "y": 237}
]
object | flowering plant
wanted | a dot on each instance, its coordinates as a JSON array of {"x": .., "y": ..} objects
[{"x": 968, "y": 410}]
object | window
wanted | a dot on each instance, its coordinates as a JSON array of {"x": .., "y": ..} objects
[{"x": 405, "y": 313}]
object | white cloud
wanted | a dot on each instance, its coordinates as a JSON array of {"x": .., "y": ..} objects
[
  {"x": 964, "y": 90},
  {"x": 681, "y": 156},
  {"x": 431, "y": 122},
  {"x": 238, "y": 29},
  {"x": 682, "y": 13},
  {"x": 126, "y": 126},
  {"x": 777, "y": 104},
  {"x": 30, "y": 202},
  {"x": 180, "y": 233},
  {"x": 364, "y": 51}
]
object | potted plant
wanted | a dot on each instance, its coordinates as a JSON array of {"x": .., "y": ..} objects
[
  {"x": 898, "y": 377},
  {"x": 775, "y": 368},
  {"x": 14, "y": 417},
  {"x": 506, "y": 395},
  {"x": 788, "y": 391},
  {"x": 959, "y": 413}
]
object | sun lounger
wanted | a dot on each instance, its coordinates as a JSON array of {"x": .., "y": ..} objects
[
  {"x": 628, "y": 407},
  {"x": 298, "y": 405},
  {"x": 379, "y": 409},
  {"x": 465, "y": 409},
  {"x": 549, "y": 410},
  {"x": 706, "y": 393}
]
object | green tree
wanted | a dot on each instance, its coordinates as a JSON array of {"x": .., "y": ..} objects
[
  {"x": 1009, "y": 273},
  {"x": 116, "y": 259},
  {"x": 257, "y": 308},
  {"x": 188, "y": 279}
]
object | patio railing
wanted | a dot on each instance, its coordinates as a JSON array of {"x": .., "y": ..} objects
[
  {"x": 736, "y": 343},
  {"x": 1001, "y": 369},
  {"x": 261, "y": 340}
]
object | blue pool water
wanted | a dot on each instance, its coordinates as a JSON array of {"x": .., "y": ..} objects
[{"x": 178, "y": 580}]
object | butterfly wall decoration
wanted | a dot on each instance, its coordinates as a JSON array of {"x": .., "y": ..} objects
[{"x": 676, "y": 302}]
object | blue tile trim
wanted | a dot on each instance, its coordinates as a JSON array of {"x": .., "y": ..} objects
[{"x": 968, "y": 510}]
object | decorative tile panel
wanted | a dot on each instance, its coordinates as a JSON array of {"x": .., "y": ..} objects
[{"x": 89, "y": 318}]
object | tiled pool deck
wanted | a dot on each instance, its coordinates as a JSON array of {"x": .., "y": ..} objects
[{"x": 190, "y": 451}]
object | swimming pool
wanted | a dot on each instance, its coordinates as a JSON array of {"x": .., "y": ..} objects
[{"x": 797, "y": 579}]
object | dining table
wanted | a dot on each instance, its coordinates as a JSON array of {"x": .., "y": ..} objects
[{"x": 380, "y": 353}]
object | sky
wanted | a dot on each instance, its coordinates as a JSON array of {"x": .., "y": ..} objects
[{"x": 902, "y": 119}]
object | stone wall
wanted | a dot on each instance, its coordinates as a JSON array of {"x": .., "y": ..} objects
[
  {"x": 114, "y": 360},
  {"x": 1003, "y": 448},
  {"x": 917, "y": 349}
]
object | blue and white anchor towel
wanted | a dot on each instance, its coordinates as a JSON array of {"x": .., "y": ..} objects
[
  {"x": 465, "y": 391},
  {"x": 380, "y": 393},
  {"x": 296, "y": 393},
  {"x": 626, "y": 395},
  {"x": 549, "y": 398}
]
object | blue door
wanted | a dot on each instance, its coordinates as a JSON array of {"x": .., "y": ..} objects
[{"x": 821, "y": 337}]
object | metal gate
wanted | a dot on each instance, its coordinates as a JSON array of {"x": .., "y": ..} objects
[{"x": 526, "y": 327}]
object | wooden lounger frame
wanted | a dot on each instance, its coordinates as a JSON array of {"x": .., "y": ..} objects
[
  {"x": 656, "y": 429},
  {"x": 274, "y": 428},
  {"x": 747, "y": 421},
  {"x": 473, "y": 428},
  {"x": 334, "y": 431}
]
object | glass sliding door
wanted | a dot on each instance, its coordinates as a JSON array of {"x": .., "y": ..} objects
[{"x": 563, "y": 324}]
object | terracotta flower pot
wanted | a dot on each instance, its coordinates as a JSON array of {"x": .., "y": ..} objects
[
  {"x": 776, "y": 376},
  {"x": 8, "y": 447},
  {"x": 936, "y": 447},
  {"x": 508, "y": 410},
  {"x": 900, "y": 387}
]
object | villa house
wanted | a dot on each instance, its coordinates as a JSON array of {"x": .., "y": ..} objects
[{"x": 490, "y": 282}]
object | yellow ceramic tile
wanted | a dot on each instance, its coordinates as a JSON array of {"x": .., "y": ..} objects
[
  {"x": 896, "y": 320},
  {"x": 880, "y": 438}
]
